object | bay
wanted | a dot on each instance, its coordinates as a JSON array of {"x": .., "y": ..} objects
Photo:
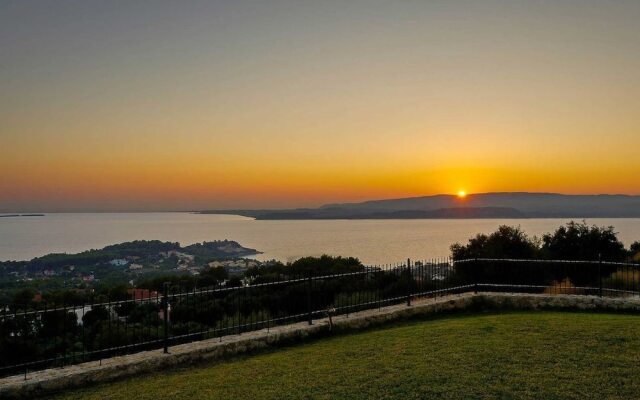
[{"x": 373, "y": 241}]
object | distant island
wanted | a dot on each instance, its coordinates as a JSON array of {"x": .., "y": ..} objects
[{"x": 482, "y": 205}]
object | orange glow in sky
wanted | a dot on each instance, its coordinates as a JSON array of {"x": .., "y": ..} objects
[{"x": 283, "y": 104}]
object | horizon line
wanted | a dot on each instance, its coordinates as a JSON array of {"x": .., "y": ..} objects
[{"x": 453, "y": 195}]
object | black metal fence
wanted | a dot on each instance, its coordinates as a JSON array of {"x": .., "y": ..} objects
[{"x": 42, "y": 335}]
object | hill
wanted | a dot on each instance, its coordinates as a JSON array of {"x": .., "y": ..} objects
[{"x": 482, "y": 205}]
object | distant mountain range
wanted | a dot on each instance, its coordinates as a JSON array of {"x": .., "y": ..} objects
[{"x": 482, "y": 205}]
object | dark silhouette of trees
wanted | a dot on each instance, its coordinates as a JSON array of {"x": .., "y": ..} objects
[
  {"x": 579, "y": 241},
  {"x": 506, "y": 242},
  {"x": 634, "y": 250},
  {"x": 573, "y": 241}
]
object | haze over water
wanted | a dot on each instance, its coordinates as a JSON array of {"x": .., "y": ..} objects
[{"x": 373, "y": 241}]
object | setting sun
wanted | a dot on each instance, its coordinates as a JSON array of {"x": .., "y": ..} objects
[{"x": 462, "y": 194}]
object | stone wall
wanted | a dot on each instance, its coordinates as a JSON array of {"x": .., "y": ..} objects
[{"x": 208, "y": 351}]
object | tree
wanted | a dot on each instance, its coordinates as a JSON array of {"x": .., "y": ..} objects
[
  {"x": 506, "y": 242},
  {"x": 213, "y": 276},
  {"x": 23, "y": 297},
  {"x": 578, "y": 241},
  {"x": 94, "y": 316},
  {"x": 634, "y": 250},
  {"x": 325, "y": 265}
]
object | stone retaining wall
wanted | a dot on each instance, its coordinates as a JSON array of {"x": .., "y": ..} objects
[{"x": 52, "y": 380}]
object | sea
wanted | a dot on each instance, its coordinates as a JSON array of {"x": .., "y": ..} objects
[{"x": 374, "y": 242}]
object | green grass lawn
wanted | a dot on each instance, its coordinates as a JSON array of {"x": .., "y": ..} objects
[{"x": 542, "y": 355}]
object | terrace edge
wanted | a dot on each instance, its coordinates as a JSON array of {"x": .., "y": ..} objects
[{"x": 53, "y": 380}]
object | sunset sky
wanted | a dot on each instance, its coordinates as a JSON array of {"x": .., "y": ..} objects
[{"x": 109, "y": 105}]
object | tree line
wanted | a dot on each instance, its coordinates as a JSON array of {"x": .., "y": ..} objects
[{"x": 573, "y": 241}]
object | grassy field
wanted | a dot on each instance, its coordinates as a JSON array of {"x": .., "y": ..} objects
[{"x": 540, "y": 355}]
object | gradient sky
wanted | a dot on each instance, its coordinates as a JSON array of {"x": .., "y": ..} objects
[{"x": 150, "y": 105}]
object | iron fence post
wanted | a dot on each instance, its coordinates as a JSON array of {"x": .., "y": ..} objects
[
  {"x": 165, "y": 314},
  {"x": 475, "y": 269},
  {"x": 600, "y": 274},
  {"x": 309, "y": 317},
  {"x": 409, "y": 278}
]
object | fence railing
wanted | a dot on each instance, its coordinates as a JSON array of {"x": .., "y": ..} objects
[{"x": 43, "y": 335}]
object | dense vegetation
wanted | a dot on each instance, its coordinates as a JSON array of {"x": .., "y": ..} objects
[
  {"x": 573, "y": 241},
  {"x": 91, "y": 328},
  {"x": 112, "y": 267},
  {"x": 508, "y": 356}
]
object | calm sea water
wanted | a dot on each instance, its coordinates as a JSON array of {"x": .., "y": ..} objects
[{"x": 373, "y": 241}]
